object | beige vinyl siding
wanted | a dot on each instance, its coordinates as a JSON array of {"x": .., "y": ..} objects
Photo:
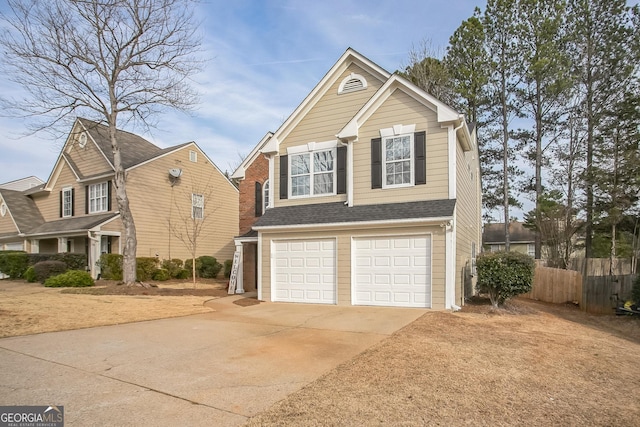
[
  {"x": 402, "y": 109},
  {"x": 89, "y": 160},
  {"x": 113, "y": 225},
  {"x": 467, "y": 215},
  {"x": 343, "y": 247},
  {"x": 322, "y": 123},
  {"x": 49, "y": 204},
  {"x": 6, "y": 223},
  {"x": 154, "y": 203}
]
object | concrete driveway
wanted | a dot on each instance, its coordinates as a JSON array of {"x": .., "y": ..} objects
[{"x": 217, "y": 368}]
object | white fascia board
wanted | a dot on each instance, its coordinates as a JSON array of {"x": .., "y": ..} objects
[
  {"x": 435, "y": 220},
  {"x": 239, "y": 173}
]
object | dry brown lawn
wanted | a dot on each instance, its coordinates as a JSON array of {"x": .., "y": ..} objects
[
  {"x": 30, "y": 308},
  {"x": 534, "y": 364}
]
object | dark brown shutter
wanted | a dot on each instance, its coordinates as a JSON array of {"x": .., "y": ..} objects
[
  {"x": 258, "y": 198},
  {"x": 376, "y": 163},
  {"x": 73, "y": 202},
  {"x": 342, "y": 170},
  {"x": 284, "y": 177},
  {"x": 420, "y": 150},
  {"x": 109, "y": 196},
  {"x": 61, "y": 202},
  {"x": 86, "y": 200}
]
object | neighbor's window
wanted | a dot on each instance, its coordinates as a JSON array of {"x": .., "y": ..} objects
[
  {"x": 99, "y": 197},
  {"x": 312, "y": 174},
  {"x": 67, "y": 202},
  {"x": 265, "y": 195},
  {"x": 398, "y": 156},
  {"x": 531, "y": 250},
  {"x": 197, "y": 206}
]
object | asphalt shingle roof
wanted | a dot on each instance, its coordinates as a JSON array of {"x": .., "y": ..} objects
[
  {"x": 333, "y": 213},
  {"x": 494, "y": 233},
  {"x": 23, "y": 210},
  {"x": 82, "y": 223}
]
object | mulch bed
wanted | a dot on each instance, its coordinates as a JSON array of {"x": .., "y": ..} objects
[
  {"x": 246, "y": 302},
  {"x": 104, "y": 287}
]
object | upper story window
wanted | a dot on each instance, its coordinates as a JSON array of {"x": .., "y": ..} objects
[
  {"x": 398, "y": 157},
  {"x": 312, "y": 173},
  {"x": 352, "y": 83},
  {"x": 99, "y": 197},
  {"x": 67, "y": 202},
  {"x": 197, "y": 206},
  {"x": 193, "y": 156},
  {"x": 3, "y": 209}
]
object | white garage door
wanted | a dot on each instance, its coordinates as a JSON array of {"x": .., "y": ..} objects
[
  {"x": 393, "y": 271},
  {"x": 304, "y": 271}
]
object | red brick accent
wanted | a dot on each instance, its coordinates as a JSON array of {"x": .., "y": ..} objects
[{"x": 258, "y": 171}]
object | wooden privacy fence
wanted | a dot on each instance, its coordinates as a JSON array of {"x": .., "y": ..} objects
[
  {"x": 595, "y": 294},
  {"x": 556, "y": 285}
]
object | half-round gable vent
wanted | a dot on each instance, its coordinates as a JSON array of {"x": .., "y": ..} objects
[{"x": 353, "y": 82}]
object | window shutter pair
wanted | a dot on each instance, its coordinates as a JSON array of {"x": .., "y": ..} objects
[
  {"x": 419, "y": 161},
  {"x": 341, "y": 173}
]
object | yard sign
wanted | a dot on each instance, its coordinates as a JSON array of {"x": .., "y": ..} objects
[{"x": 234, "y": 272}]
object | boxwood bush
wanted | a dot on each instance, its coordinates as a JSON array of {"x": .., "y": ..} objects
[
  {"x": 173, "y": 266},
  {"x": 46, "y": 269},
  {"x": 209, "y": 267},
  {"x": 145, "y": 268},
  {"x": 14, "y": 263},
  {"x": 72, "y": 278},
  {"x": 110, "y": 266},
  {"x": 504, "y": 275},
  {"x": 30, "y": 275},
  {"x": 161, "y": 274}
]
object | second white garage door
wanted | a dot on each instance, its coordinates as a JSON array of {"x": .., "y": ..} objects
[
  {"x": 392, "y": 271},
  {"x": 304, "y": 271}
]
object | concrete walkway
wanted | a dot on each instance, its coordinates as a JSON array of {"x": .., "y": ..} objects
[{"x": 213, "y": 369}]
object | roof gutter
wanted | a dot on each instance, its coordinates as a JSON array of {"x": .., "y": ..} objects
[{"x": 435, "y": 220}]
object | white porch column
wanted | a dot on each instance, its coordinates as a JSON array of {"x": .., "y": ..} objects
[
  {"x": 62, "y": 245},
  {"x": 239, "y": 282},
  {"x": 35, "y": 246}
]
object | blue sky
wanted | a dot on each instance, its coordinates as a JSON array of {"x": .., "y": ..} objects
[{"x": 265, "y": 57}]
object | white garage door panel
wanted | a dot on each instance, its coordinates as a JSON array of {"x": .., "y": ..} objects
[
  {"x": 393, "y": 271},
  {"x": 304, "y": 271}
]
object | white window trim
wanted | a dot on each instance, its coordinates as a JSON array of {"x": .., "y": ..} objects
[
  {"x": 411, "y": 159},
  {"x": 66, "y": 190},
  {"x": 347, "y": 79},
  {"x": 310, "y": 148},
  {"x": 105, "y": 196},
  {"x": 197, "y": 201},
  {"x": 266, "y": 194},
  {"x": 193, "y": 156}
]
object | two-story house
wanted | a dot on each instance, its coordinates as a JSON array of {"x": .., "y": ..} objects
[
  {"x": 368, "y": 194},
  {"x": 170, "y": 190}
]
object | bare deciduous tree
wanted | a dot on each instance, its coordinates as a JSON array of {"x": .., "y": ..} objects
[{"x": 106, "y": 60}]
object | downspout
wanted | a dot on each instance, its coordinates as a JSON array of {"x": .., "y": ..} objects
[{"x": 455, "y": 307}]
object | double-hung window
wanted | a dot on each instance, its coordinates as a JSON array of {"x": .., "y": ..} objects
[
  {"x": 197, "y": 206},
  {"x": 67, "y": 202},
  {"x": 99, "y": 197},
  {"x": 313, "y": 173},
  {"x": 398, "y": 158}
]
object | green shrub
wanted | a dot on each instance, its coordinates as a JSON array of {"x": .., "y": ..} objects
[
  {"x": 173, "y": 266},
  {"x": 161, "y": 274},
  {"x": 635, "y": 290},
  {"x": 74, "y": 261},
  {"x": 504, "y": 275},
  {"x": 30, "y": 275},
  {"x": 209, "y": 267},
  {"x": 227, "y": 268},
  {"x": 46, "y": 269},
  {"x": 72, "y": 278},
  {"x": 13, "y": 263},
  {"x": 110, "y": 266},
  {"x": 145, "y": 268},
  {"x": 183, "y": 274},
  {"x": 188, "y": 264}
]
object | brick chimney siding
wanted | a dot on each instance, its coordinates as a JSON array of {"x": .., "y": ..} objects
[{"x": 258, "y": 171}]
